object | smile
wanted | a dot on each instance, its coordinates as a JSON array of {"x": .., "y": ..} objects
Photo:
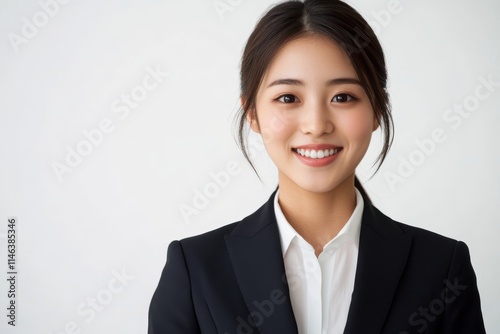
[{"x": 317, "y": 154}]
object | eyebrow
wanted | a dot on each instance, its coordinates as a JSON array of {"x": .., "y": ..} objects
[{"x": 332, "y": 82}]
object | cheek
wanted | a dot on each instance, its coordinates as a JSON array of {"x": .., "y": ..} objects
[
  {"x": 357, "y": 126},
  {"x": 275, "y": 128}
]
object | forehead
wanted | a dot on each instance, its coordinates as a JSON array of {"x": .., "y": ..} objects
[{"x": 309, "y": 58}]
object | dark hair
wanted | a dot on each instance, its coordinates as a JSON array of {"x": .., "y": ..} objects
[{"x": 330, "y": 18}]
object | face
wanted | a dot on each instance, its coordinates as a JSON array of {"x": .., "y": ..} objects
[{"x": 315, "y": 118}]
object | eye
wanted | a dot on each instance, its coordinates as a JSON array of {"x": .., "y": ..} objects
[
  {"x": 288, "y": 98},
  {"x": 342, "y": 98}
]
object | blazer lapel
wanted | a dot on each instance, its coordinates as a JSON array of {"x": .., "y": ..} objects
[
  {"x": 255, "y": 250},
  {"x": 383, "y": 252}
]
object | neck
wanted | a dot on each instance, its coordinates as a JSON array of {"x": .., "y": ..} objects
[{"x": 317, "y": 217}]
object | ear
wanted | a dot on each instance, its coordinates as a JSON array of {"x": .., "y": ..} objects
[
  {"x": 252, "y": 120},
  {"x": 251, "y": 117},
  {"x": 376, "y": 123}
]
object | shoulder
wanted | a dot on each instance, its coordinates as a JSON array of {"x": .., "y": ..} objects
[
  {"x": 262, "y": 219},
  {"x": 441, "y": 268},
  {"x": 427, "y": 247},
  {"x": 390, "y": 227},
  {"x": 429, "y": 238},
  {"x": 209, "y": 240}
]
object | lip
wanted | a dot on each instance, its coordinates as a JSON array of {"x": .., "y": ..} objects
[
  {"x": 317, "y": 162},
  {"x": 317, "y": 147}
]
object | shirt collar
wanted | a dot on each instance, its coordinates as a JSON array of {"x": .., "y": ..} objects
[{"x": 351, "y": 229}]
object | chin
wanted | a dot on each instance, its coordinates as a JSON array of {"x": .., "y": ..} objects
[{"x": 318, "y": 186}]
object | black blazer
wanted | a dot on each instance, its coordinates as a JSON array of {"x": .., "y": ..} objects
[{"x": 232, "y": 281}]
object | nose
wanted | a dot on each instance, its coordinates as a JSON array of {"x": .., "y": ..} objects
[{"x": 316, "y": 120}]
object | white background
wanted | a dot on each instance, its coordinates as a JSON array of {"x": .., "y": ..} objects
[{"x": 119, "y": 208}]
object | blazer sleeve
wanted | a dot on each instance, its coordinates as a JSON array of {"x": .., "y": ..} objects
[
  {"x": 461, "y": 297},
  {"x": 172, "y": 309}
]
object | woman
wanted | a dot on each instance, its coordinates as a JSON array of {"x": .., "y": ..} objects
[{"x": 318, "y": 257}]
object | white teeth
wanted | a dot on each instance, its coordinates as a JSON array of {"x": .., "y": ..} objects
[{"x": 317, "y": 154}]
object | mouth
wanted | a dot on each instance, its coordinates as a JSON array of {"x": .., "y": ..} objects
[{"x": 317, "y": 153}]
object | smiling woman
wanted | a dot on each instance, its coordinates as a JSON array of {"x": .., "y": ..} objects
[
  {"x": 317, "y": 257},
  {"x": 311, "y": 88}
]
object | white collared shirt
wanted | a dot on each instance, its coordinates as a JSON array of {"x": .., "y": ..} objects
[{"x": 321, "y": 287}]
